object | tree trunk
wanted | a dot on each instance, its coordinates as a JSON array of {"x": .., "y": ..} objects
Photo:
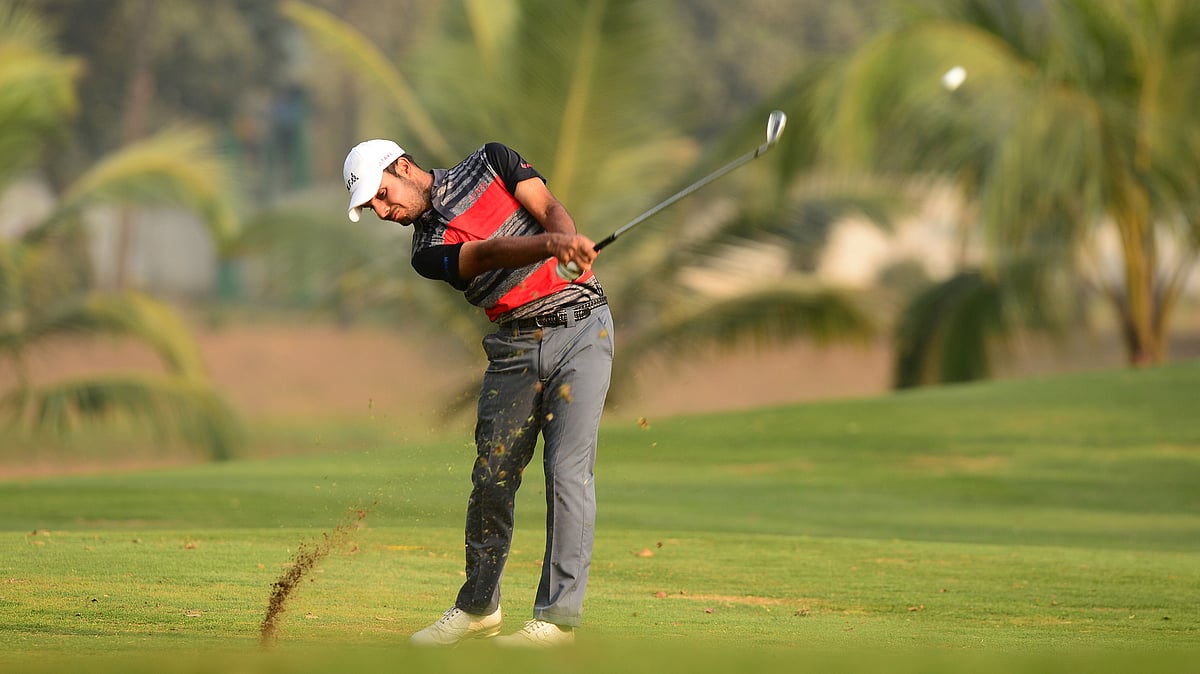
[
  {"x": 1145, "y": 343},
  {"x": 133, "y": 127}
]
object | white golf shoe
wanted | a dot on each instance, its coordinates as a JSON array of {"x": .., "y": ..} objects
[
  {"x": 539, "y": 634},
  {"x": 457, "y": 625}
]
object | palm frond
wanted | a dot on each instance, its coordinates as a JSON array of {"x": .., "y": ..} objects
[
  {"x": 888, "y": 106},
  {"x": 1064, "y": 136},
  {"x": 36, "y": 88},
  {"x": 770, "y": 316},
  {"x": 185, "y": 410},
  {"x": 1072, "y": 114},
  {"x": 128, "y": 314},
  {"x": 176, "y": 166},
  {"x": 608, "y": 152},
  {"x": 773, "y": 316},
  {"x": 815, "y": 206},
  {"x": 567, "y": 157},
  {"x": 378, "y": 73},
  {"x": 944, "y": 331},
  {"x": 804, "y": 100},
  {"x": 1168, "y": 104},
  {"x": 492, "y": 23},
  {"x": 34, "y": 280},
  {"x": 590, "y": 117}
]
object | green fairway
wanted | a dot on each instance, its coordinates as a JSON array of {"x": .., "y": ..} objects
[{"x": 1034, "y": 525}]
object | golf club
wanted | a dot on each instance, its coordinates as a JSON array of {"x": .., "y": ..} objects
[{"x": 775, "y": 124}]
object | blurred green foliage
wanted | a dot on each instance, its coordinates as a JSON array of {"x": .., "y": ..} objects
[
  {"x": 45, "y": 291},
  {"x": 1076, "y": 120},
  {"x": 1073, "y": 114}
]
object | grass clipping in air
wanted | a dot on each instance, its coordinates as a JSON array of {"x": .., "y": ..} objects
[{"x": 307, "y": 557}]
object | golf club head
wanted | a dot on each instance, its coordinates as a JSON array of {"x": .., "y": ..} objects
[{"x": 775, "y": 124}]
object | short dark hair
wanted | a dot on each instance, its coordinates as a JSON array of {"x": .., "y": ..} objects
[{"x": 391, "y": 168}]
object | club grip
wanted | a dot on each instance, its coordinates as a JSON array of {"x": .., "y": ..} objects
[{"x": 569, "y": 271}]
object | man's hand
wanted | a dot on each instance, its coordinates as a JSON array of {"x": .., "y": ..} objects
[
  {"x": 575, "y": 255},
  {"x": 561, "y": 241},
  {"x": 572, "y": 249}
]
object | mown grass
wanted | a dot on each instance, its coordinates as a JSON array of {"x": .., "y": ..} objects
[{"x": 1035, "y": 525}]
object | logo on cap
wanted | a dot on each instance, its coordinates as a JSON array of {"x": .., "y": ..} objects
[{"x": 350, "y": 183}]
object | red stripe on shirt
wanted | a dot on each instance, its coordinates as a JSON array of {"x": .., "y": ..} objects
[
  {"x": 540, "y": 283},
  {"x": 487, "y": 213}
]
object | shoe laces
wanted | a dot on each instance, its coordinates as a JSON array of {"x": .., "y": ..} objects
[
  {"x": 535, "y": 626},
  {"x": 450, "y": 614}
]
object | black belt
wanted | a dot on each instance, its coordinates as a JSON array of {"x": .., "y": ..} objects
[{"x": 557, "y": 318}]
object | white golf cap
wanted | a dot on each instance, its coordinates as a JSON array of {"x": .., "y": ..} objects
[{"x": 363, "y": 171}]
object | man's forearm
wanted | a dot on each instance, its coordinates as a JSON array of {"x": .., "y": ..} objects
[
  {"x": 508, "y": 252},
  {"x": 511, "y": 252}
]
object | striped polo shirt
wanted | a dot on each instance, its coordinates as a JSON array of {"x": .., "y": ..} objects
[{"x": 474, "y": 201}]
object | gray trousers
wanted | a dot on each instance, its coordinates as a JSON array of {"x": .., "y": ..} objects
[{"x": 548, "y": 381}]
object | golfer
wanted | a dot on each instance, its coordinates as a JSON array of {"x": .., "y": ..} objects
[{"x": 492, "y": 229}]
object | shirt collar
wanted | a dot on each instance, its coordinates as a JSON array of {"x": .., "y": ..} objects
[{"x": 437, "y": 191}]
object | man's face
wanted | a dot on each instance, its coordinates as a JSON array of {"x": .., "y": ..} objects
[{"x": 399, "y": 198}]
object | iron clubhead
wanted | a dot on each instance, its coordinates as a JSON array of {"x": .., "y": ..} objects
[{"x": 775, "y": 124}]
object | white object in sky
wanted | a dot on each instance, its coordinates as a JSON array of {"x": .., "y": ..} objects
[{"x": 954, "y": 78}]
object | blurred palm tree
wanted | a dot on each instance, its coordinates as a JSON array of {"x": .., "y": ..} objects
[
  {"x": 567, "y": 84},
  {"x": 44, "y": 286},
  {"x": 738, "y": 265},
  {"x": 37, "y": 91},
  {"x": 178, "y": 403},
  {"x": 1075, "y": 118}
]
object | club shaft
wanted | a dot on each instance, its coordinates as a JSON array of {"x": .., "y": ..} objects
[{"x": 683, "y": 193}]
